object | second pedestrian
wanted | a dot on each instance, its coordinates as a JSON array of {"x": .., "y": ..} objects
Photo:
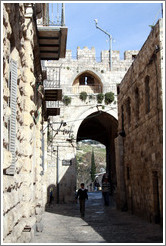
[
  {"x": 106, "y": 189},
  {"x": 82, "y": 195}
]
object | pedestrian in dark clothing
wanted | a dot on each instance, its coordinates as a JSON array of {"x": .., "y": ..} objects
[
  {"x": 106, "y": 190},
  {"x": 51, "y": 197},
  {"x": 82, "y": 194}
]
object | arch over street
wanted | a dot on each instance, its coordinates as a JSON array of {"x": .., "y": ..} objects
[{"x": 102, "y": 127}]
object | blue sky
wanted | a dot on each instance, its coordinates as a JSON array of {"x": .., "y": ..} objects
[{"x": 128, "y": 23}]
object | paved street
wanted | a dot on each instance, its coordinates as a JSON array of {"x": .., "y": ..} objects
[{"x": 63, "y": 224}]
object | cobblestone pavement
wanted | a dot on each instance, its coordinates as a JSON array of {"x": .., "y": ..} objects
[{"x": 63, "y": 224}]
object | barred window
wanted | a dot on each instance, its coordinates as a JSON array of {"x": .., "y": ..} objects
[{"x": 137, "y": 102}]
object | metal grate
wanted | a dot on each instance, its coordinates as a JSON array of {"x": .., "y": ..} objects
[{"x": 13, "y": 105}]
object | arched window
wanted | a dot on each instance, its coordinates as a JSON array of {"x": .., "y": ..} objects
[
  {"x": 88, "y": 82},
  {"x": 137, "y": 102},
  {"x": 122, "y": 117},
  {"x": 147, "y": 95},
  {"x": 128, "y": 110}
]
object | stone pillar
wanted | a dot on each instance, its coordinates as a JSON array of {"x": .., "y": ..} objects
[{"x": 121, "y": 188}]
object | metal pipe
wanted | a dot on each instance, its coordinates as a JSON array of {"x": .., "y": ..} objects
[
  {"x": 110, "y": 43},
  {"x": 63, "y": 15},
  {"x": 57, "y": 175}
]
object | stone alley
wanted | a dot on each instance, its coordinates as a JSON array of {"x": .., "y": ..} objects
[
  {"x": 63, "y": 224},
  {"x": 79, "y": 118}
]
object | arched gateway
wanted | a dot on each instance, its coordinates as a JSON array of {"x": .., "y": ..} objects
[
  {"x": 102, "y": 127},
  {"x": 83, "y": 122},
  {"x": 81, "y": 119}
]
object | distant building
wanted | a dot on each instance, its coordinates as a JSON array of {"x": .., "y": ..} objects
[{"x": 139, "y": 146}]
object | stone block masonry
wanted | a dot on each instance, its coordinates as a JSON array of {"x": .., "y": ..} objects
[
  {"x": 140, "y": 113},
  {"x": 22, "y": 195}
]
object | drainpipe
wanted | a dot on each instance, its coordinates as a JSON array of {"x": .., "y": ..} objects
[{"x": 57, "y": 175}]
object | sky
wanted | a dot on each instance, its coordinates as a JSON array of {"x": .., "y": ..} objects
[{"x": 128, "y": 24}]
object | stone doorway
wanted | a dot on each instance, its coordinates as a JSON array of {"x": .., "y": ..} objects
[{"x": 156, "y": 198}]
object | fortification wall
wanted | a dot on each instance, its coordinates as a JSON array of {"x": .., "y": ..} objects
[{"x": 86, "y": 61}]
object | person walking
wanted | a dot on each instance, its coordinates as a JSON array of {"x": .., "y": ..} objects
[
  {"x": 82, "y": 195},
  {"x": 106, "y": 189}
]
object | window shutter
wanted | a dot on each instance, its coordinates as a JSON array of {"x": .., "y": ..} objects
[{"x": 13, "y": 106}]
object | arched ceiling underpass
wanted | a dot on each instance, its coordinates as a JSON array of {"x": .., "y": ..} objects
[{"x": 99, "y": 126}]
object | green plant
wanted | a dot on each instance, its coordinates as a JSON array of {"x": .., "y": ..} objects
[
  {"x": 83, "y": 95},
  {"x": 93, "y": 167},
  {"x": 90, "y": 97},
  {"x": 66, "y": 100},
  {"x": 100, "y": 97},
  {"x": 109, "y": 97}
]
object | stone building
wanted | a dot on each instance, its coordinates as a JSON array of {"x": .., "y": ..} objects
[
  {"x": 78, "y": 120},
  {"x": 24, "y": 43},
  {"x": 139, "y": 146}
]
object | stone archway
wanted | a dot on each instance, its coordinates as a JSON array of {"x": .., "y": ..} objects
[{"x": 102, "y": 127}]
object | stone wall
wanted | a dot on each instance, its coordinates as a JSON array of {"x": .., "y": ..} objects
[
  {"x": 22, "y": 191},
  {"x": 140, "y": 114},
  {"x": 86, "y": 61}
]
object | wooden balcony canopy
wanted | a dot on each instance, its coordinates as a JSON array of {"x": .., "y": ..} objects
[
  {"x": 53, "y": 94},
  {"x": 52, "y": 42},
  {"x": 53, "y": 111}
]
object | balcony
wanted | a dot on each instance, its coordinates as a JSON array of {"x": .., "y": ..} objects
[
  {"x": 52, "y": 35},
  {"x": 53, "y": 92},
  {"x": 52, "y": 109}
]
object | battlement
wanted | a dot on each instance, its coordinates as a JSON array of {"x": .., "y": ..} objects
[{"x": 85, "y": 53}]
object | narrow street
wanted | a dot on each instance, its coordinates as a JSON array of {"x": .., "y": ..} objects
[{"x": 63, "y": 224}]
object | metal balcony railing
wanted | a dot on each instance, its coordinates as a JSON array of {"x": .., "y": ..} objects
[
  {"x": 52, "y": 104},
  {"x": 54, "y": 15},
  {"x": 53, "y": 77}
]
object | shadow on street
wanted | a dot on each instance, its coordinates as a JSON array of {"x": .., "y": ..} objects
[{"x": 112, "y": 225}]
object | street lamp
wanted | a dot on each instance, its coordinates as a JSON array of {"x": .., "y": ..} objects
[{"x": 110, "y": 42}]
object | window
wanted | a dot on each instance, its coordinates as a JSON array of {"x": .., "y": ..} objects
[
  {"x": 122, "y": 117},
  {"x": 147, "y": 95},
  {"x": 137, "y": 102},
  {"x": 86, "y": 80},
  {"x": 128, "y": 109},
  {"x": 12, "y": 103},
  {"x": 133, "y": 57}
]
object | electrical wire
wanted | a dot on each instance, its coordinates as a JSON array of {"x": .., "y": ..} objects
[{"x": 88, "y": 117}]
